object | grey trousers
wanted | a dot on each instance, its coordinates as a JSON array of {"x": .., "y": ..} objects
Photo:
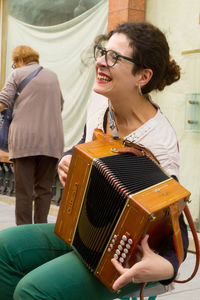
[{"x": 34, "y": 177}]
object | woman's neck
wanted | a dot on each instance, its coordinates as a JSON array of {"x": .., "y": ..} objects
[{"x": 130, "y": 114}]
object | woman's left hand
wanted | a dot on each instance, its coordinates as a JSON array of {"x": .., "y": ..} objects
[{"x": 152, "y": 267}]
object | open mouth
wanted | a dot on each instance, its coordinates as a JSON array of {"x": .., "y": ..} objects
[{"x": 103, "y": 77}]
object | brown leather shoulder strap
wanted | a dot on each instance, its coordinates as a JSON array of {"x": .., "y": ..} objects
[
  {"x": 138, "y": 150},
  {"x": 177, "y": 237}
]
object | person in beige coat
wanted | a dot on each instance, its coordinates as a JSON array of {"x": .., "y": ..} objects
[{"x": 36, "y": 137}]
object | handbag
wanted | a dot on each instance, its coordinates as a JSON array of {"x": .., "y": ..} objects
[{"x": 6, "y": 114}]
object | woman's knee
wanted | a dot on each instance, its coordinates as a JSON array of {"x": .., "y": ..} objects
[
  {"x": 23, "y": 291},
  {"x": 12, "y": 242},
  {"x": 29, "y": 289},
  {"x": 19, "y": 292},
  {"x": 7, "y": 244}
]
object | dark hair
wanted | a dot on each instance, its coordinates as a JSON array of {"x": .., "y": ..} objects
[{"x": 151, "y": 50}]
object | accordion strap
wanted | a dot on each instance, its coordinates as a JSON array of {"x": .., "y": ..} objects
[
  {"x": 196, "y": 243},
  {"x": 138, "y": 150},
  {"x": 177, "y": 237}
]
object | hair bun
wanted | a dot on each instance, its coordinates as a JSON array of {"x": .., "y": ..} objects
[{"x": 172, "y": 74}]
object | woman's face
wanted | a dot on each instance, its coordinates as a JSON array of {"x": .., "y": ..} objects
[{"x": 117, "y": 80}]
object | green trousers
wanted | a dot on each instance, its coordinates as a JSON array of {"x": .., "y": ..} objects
[
  {"x": 36, "y": 264},
  {"x": 133, "y": 298}
]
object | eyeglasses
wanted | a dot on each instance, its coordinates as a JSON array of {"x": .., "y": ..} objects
[
  {"x": 111, "y": 56},
  {"x": 13, "y": 66}
]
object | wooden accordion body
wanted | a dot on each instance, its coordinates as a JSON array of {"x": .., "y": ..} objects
[{"x": 110, "y": 201}]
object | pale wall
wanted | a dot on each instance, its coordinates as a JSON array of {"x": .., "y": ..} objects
[{"x": 179, "y": 19}]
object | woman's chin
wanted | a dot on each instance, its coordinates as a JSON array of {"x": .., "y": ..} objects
[{"x": 101, "y": 91}]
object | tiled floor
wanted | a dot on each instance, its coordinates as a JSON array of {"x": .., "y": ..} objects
[{"x": 7, "y": 214}]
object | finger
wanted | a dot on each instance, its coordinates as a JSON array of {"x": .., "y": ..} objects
[
  {"x": 62, "y": 181},
  {"x": 145, "y": 245},
  {"x": 62, "y": 177},
  {"x": 63, "y": 167},
  {"x": 118, "y": 266},
  {"x": 123, "y": 280},
  {"x": 65, "y": 162}
]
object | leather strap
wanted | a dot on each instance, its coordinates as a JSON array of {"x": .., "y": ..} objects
[
  {"x": 177, "y": 237},
  {"x": 129, "y": 146},
  {"x": 26, "y": 80},
  {"x": 196, "y": 242}
]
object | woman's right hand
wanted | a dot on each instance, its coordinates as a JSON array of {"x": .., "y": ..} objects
[{"x": 63, "y": 168}]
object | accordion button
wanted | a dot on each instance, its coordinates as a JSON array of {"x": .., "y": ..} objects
[
  {"x": 123, "y": 255},
  {"x": 120, "y": 247},
  {"x": 124, "y": 238},
  {"x": 130, "y": 241},
  {"x": 109, "y": 250},
  {"x": 116, "y": 256},
  {"x": 111, "y": 246},
  {"x": 125, "y": 250},
  {"x": 118, "y": 252},
  {"x": 128, "y": 246},
  {"x": 121, "y": 259},
  {"x": 115, "y": 236},
  {"x": 113, "y": 241},
  {"x": 122, "y": 243}
]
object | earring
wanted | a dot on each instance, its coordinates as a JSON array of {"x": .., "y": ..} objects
[{"x": 139, "y": 90}]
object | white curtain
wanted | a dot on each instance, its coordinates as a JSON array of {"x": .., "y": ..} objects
[{"x": 67, "y": 49}]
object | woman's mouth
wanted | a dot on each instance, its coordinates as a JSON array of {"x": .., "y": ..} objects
[{"x": 103, "y": 78}]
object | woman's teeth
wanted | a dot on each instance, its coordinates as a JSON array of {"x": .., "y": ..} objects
[{"x": 103, "y": 78}]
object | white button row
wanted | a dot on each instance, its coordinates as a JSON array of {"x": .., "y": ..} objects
[{"x": 122, "y": 249}]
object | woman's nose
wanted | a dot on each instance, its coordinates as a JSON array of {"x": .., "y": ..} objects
[{"x": 101, "y": 61}]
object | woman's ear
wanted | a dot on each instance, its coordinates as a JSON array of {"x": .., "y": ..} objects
[{"x": 145, "y": 77}]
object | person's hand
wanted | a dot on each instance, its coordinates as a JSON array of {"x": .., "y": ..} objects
[
  {"x": 63, "y": 168},
  {"x": 152, "y": 267},
  {"x": 2, "y": 107}
]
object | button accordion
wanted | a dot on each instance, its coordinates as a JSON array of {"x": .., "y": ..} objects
[{"x": 110, "y": 201}]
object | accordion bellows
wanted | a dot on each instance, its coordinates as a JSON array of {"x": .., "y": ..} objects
[{"x": 110, "y": 202}]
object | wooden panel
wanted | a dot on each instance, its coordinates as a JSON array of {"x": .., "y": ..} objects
[
  {"x": 156, "y": 197},
  {"x": 72, "y": 197}
]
